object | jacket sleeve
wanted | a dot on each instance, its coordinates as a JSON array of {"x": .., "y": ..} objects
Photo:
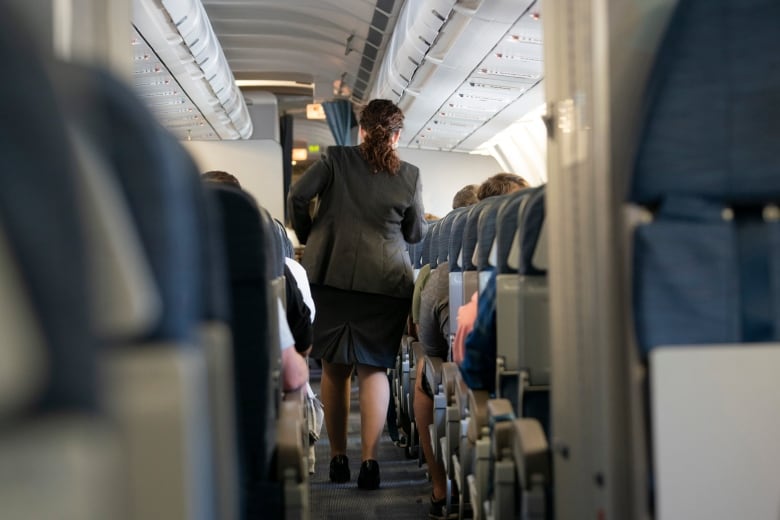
[
  {"x": 414, "y": 225},
  {"x": 311, "y": 184},
  {"x": 298, "y": 314}
]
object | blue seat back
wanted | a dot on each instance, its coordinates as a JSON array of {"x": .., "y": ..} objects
[
  {"x": 707, "y": 268},
  {"x": 444, "y": 234},
  {"x": 486, "y": 230},
  {"x": 530, "y": 231},
  {"x": 248, "y": 232},
  {"x": 455, "y": 241},
  {"x": 159, "y": 181},
  {"x": 39, "y": 214},
  {"x": 425, "y": 247},
  {"x": 470, "y": 234},
  {"x": 433, "y": 244}
]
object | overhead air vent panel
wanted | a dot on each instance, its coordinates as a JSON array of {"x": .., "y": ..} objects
[
  {"x": 485, "y": 57},
  {"x": 179, "y": 35}
]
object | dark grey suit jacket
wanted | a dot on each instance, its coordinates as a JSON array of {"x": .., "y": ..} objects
[{"x": 356, "y": 240}]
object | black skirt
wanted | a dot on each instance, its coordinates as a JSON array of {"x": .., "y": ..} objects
[{"x": 356, "y": 327}]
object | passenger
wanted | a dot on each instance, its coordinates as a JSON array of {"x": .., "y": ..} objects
[
  {"x": 466, "y": 196},
  {"x": 370, "y": 202},
  {"x": 433, "y": 329},
  {"x": 294, "y": 369}
]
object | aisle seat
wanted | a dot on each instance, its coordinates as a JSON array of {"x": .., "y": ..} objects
[
  {"x": 522, "y": 314},
  {"x": 706, "y": 262}
]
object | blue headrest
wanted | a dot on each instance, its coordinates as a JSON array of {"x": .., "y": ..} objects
[
  {"x": 486, "y": 230},
  {"x": 433, "y": 244},
  {"x": 470, "y": 233},
  {"x": 444, "y": 234},
  {"x": 506, "y": 227},
  {"x": 425, "y": 247},
  {"x": 531, "y": 221},
  {"x": 39, "y": 213},
  {"x": 456, "y": 238},
  {"x": 713, "y": 119},
  {"x": 156, "y": 176}
]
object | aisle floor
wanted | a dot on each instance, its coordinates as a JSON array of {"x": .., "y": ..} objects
[{"x": 404, "y": 491}]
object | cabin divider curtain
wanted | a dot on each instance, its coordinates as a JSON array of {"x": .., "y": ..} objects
[
  {"x": 340, "y": 119},
  {"x": 286, "y": 140}
]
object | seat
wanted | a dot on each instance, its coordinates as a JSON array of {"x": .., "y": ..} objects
[
  {"x": 60, "y": 457},
  {"x": 171, "y": 468},
  {"x": 522, "y": 315},
  {"x": 256, "y": 354},
  {"x": 486, "y": 235},
  {"x": 706, "y": 262},
  {"x": 217, "y": 340},
  {"x": 455, "y": 244},
  {"x": 469, "y": 246}
]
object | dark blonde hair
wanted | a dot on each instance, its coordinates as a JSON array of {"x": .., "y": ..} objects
[
  {"x": 220, "y": 177},
  {"x": 500, "y": 184},
  {"x": 380, "y": 119},
  {"x": 466, "y": 196}
]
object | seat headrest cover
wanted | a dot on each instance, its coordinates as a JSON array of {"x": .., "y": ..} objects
[
  {"x": 506, "y": 227},
  {"x": 455, "y": 241},
  {"x": 713, "y": 106}
]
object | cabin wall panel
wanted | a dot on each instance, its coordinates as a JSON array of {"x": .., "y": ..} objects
[
  {"x": 256, "y": 163},
  {"x": 444, "y": 173}
]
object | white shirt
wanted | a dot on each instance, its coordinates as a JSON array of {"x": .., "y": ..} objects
[{"x": 299, "y": 273}]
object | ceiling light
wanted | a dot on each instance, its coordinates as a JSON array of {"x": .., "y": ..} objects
[
  {"x": 315, "y": 111},
  {"x": 300, "y": 154},
  {"x": 272, "y": 83}
]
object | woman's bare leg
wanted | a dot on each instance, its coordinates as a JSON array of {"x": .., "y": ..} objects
[
  {"x": 374, "y": 399},
  {"x": 335, "y": 388}
]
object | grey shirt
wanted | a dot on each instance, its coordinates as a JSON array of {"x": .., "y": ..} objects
[{"x": 356, "y": 239}]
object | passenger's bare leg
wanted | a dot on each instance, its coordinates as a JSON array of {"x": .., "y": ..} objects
[
  {"x": 335, "y": 388},
  {"x": 423, "y": 416},
  {"x": 374, "y": 399}
]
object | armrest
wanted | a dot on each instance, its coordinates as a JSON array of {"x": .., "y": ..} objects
[
  {"x": 478, "y": 411},
  {"x": 289, "y": 442},
  {"x": 531, "y": 451},
  {"x": 461, "y": 395},
  {"x": 500, "y": 410},
  {"x": 450, "y": 373},
  {"x": 432, "y": 372}
]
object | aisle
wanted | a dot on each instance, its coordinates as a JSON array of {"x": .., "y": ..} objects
[{"x": 404, "y": 491}]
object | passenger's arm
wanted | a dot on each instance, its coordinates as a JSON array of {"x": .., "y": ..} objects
[
  {"x": 311, "y": 184},
  {"x": 414, "y": 225}
]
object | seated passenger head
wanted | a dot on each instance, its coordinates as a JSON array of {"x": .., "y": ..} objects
[
  {"x": 380, "y": 128},
  {"x": 466, "y": 196},
  {"x": 430, "y": 217},
  {"x": 501, "y": 184},
  {"x": 220, "y": 177}
]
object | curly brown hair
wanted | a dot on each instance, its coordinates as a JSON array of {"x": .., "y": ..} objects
[{"x": 380, "y": 119}]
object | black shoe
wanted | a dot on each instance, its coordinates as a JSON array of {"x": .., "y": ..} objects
[
  {"x": 439, "y": 509},
  {"x": 339, "y": 469},
  {"x": 369, "y": 475}
]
